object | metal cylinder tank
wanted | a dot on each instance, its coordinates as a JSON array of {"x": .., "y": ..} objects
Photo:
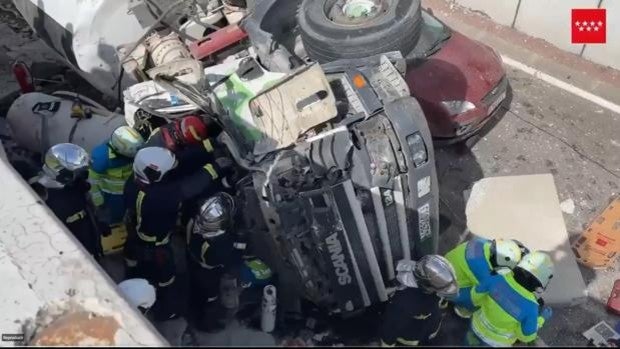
[{"x": 38, "y": 121}]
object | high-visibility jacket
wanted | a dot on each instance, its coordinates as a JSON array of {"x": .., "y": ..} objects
[
  {"x": 507, "y": 312},
  {"x": 108, "y": 173},
  {"x": 471, "y": 262},
  {"x": 255, "y": 273}
]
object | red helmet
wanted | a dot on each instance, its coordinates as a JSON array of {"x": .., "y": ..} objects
[{"x": 193, "y": 130}]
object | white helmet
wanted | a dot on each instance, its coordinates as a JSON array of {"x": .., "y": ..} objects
[
  {"x": 139, "y": 292},
  {"x": 540, "y": 265},
  {"x": 151, "y": 164},
  {"x": 126, "y": 141},
  {"x": 507, "y": 253}
]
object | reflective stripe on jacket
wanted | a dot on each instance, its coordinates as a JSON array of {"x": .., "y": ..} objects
[
  {"x": 471, "y": 262},
  {"x": 108, "y": 173},
  {"x": 507, "y": 312}
]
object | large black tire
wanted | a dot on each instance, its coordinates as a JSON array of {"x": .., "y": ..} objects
[{"x": 397, "y": 28}]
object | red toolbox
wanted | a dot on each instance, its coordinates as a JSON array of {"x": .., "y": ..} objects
[{"x": 613, "y": 303}]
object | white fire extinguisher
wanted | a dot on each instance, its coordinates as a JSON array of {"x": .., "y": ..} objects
[{"x": 268, "y": 318}]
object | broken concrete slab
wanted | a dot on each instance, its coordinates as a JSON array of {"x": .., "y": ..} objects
[{"x": 527, "y": 208}]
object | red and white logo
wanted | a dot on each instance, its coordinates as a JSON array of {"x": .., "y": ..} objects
[{"x": 589, "y": 26}]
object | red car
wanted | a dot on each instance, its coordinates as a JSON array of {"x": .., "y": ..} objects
[{"x": 459, "y": 82}]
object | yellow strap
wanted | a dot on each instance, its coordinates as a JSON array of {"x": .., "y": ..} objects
[
  {"x": 208, "y": 146},
  {"x": 434, "y": 334},
  {"x": 192, "y": 130},
  {"x": 422, "y": 316},
  {"x": 443, "y": 303},
  {"x": 111, "y": 153},
  {"x": 150, "y": 238},
  {"x": 203, "y": 251},
  {"x": 139, "y": 201},
  {"x": 147, "y": 238},
  {"x": 407, "y": 342},
  {"x": 167, "y": 283},
  {"x": 211, "y": 171},
  {"x": 76, "y": 217}
]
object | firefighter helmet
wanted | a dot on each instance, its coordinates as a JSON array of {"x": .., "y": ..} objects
[
  {"x": 215, "y": 215},
  {"x": 126, "y": 141},
  {"x": 506, "y": 253},
  {"x": 152, "y": 164},
  {"x": 193, "y": 130},
  {"x": 539, "y": 265},
  {"x": 434, "y": 273},
  {"x": 64, "y": 163}
]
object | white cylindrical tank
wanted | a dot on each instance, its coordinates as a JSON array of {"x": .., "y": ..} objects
[
  {"x": 36, "y": 128},
  {"x": 268, "y": 316}
]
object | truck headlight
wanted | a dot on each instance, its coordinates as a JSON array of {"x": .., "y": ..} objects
[
  {"x": 418, "y": 149},
  {"x": 457, "y": 107}
]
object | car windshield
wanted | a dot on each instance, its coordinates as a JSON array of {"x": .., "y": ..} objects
[{"x": 434, "y": 34}]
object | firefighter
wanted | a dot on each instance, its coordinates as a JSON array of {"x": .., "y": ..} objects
[
  {"x": 65, "y": 191},
  {"x": 413, "y": 315},
  {"x": 153, "y": 202},
  {"x": 210, "y": 252},
  {"x": 180, "y": 133},
  {"x": 110, "y": 168},
  {"x": 476, "y": 260},
  {"x": 508, "y": 306}
]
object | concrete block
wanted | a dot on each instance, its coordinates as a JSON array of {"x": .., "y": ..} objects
[
  {"x": 502, "y": 12},
  {"x": 608, "y": 54},
  {"x": 527, "y": 208},
  {"x": 551, "y": 20}
]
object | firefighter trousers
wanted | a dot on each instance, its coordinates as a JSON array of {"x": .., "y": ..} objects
[
  {"x": 155, "y": 264},
  {"x": 204, "y": 309}
]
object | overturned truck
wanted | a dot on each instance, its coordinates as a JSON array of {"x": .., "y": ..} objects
[{"x": 341, "y": 181}]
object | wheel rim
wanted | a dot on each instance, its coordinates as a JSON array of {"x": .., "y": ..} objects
[
  {"x": 355, "y": 12},
  {"x": 356, "y": 9}
]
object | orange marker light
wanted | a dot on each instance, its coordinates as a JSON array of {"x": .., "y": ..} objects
[{"x": 359, "y": 81}]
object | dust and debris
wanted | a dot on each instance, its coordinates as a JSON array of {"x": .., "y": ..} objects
[{"x": 568, "y": 206}]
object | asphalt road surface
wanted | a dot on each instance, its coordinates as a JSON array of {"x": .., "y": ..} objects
[{"x": 545, "y": 130}]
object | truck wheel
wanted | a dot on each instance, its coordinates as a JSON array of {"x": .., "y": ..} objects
[{"x": 335, "y": 29}]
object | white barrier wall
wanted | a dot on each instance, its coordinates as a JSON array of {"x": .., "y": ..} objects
[
  {"x": 45, "y": 272},
  {"x": 550, "y": 20}
]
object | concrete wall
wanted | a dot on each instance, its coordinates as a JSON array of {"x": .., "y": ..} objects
[
  {"x": 551, "y": 20},
  {"x": 47, "y": 276}
]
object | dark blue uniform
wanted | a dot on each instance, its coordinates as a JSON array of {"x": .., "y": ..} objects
[{"x": 153, "y": 212}]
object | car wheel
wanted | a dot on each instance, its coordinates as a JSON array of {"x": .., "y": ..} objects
[{"x": 335, "y": 29}]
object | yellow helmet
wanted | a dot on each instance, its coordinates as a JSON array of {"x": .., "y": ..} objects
[
  {"x": 507, "y": 253},
  {"x": 540, "y": 265},
  {"x": 126, "y": 141}
]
